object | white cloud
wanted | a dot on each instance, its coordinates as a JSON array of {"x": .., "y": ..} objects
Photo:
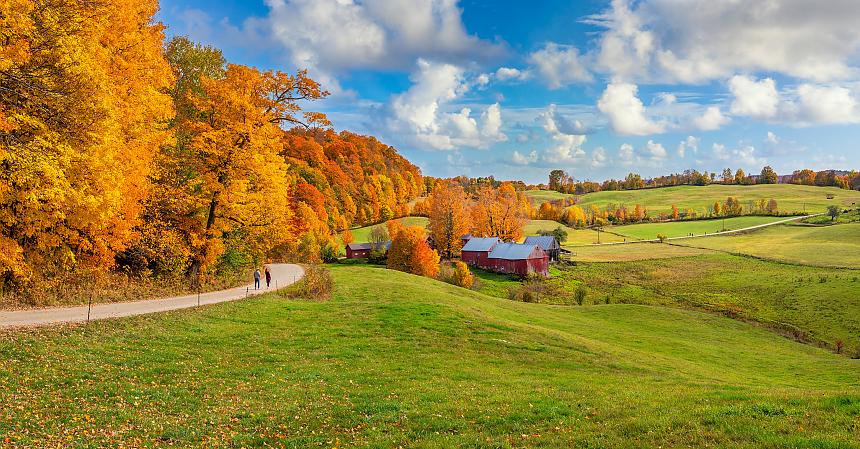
[
  {"x": 712, "y": 119},
  {"x": 699, "y": 40},
  {"x": 690, "y": 143},
  {"x": 568, "y": 137},
  {"x": 626, "y": 112},
  {"x": 599, "y": 158},
  {"x": 625, "y": 154},
  {"x": 827, "y": 104},
  {"x": 559, "y": 65},
  {"x": 757, "y": 99},
  {"x": 521, "y": 159},
  {"x": 651, "y": 154},
  {"x": 771, "y": 138},
  {"x": 507, "y": 73},
  {"x": 332, "y": 35},
  {"x": 745, "y": 155},
  {"x": 419, "y": 112},
  {"x": 654, "y": 151}
]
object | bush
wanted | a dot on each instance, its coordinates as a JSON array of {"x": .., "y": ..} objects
[
  {"x": 579, "y": 295},
  {"x": 329, "y": 252},
  {"x": 456, "y": 273},
  {"x": 534, "y": 289},
  {"x": 316, "y": 284},
  {"x": 661, "y": 237}
]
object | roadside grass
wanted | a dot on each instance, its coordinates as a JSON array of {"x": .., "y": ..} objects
[
  {"x": 397, "y": 360},
  {"x": 851, "y": 217},
  {"x": 790, "y": 198},
  {"x": 574, "y": 236},
  {"x": 631, "y": 252},
  {"x": 362, "y": 235},
  {"x": 826, "y": 246},
  {"x": 648, "y": 231}
]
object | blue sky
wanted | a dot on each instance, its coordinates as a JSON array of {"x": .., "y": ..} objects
[{"x": 598, "y": 88}]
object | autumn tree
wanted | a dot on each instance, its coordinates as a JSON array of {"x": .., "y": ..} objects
[
  {"x": 449, "y": 219},
  {"x": 347, "y": 237},
  {"x": 772, "y": 207},
  {"x": 82, "y": 114},
  {"x": 500, "y": 213},
  {"x": 727, "y": 176},
  {"x": 718, "y": 208},
  {"x": 804, "y": 177},
  {"x": 740, "y": 177},
  {"x": 410, "y": 253},
  {"x": 675, "y": 213},
  {"x": 768, "y": 176},
  {"x": 638, "y": 213},
  {"x": 461, "y": 275}
]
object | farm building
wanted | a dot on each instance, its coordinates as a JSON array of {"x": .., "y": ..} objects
[
  {"x": 465, "y": 239},
  {"x": 476, "y": 250},
  {"x": 519, "y": 259},
  {"x": 363, "y": 250},
  {"x": 547, "y": 243}
]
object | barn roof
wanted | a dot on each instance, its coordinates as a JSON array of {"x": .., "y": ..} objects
[
  {"x": 480, "y": 244},
  {"x": 547, "y": 242},
  {"x": 512, "y": 251}
]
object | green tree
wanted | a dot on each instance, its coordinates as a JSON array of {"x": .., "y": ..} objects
[
  {"x": 768, "y": 176},
  {"x": 833, "y": 212}
]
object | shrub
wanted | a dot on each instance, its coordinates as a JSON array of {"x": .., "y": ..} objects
[
  {"x": 661, "y": 237},
  {"x": 839, "y": 345},
  {"x": 579, "y": 295},
  {"x": 316, "y": 284},
  {"x": 534, "y": 289},
  {"x": 329, "y": 252}
]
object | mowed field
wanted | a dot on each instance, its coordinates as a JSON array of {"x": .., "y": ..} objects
[
  {"x": 649, "y": 231},
  {"x": 790, "y": 198},
  {"x": 362, "y": 235},
  {"x": 632, "y": 251},
  {"x": 829, "y": 246},
  {"x": 574, "y": 236},
  {"x": 397, "y": 360}
]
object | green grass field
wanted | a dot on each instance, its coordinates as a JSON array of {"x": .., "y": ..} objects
[
  {"x": 790, "y": 198},
  {"x": 630, "y": 252},
  {"x": 542, "y": 196},
  {"x": 648, "y": 231},
  {"x": 362, "y": 235},
  {"x": 574, "y": 236},
  {"x": 834, "y": 246},
  {"x": 396, "y": 360}
]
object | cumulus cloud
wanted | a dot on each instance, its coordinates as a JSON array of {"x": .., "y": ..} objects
[
  {"x": 711, "y": 120},
  {"x": 745, "y": 155},
  {"x": 771, "y": 138},
  {"x": 599, "y": 158},
  {"x": 508, "y": 73},
  {"x": 690, "y": 143},
  {"x": 559, "y": 65},
  {"x": 699, "y": 40},
  {"x": 754, "y": 98},
  {"x": 827, "y": 104},
  {"x": 524, "y": 159},
  {"x": 651, "y": 154},
  {"x": 333, "y": 35},
  {"x": 625, "y": 111},
  {"x": 420, "y": 111},
  {"x": 568, "y": 137}
]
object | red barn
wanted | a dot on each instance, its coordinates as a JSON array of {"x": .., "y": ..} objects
[
  {"x": 522, "y": 260},
  {"x": 476, "y": 250},
  {"x": 362, "y": 250}
]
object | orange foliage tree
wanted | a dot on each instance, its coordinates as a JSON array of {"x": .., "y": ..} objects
[
  {"x": 410, "y": 253},
  {"x": 82, "y": 114},
  {"x": 500, "y": 213},
  {"x": 449, "y": 218}
]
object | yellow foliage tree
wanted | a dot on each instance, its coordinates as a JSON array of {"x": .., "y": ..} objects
[
  {"x": 82, "y": 114},
  {"x": 449, "y": 219},
  {"x": 499, "y": 213}
]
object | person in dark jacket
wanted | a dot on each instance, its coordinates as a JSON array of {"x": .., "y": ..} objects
[
  {"x": 268, "y": 277},
  {"x": 257, "y": 279}
]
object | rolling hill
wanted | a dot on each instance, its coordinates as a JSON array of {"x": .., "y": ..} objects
[{"x": 398, "y": 360}]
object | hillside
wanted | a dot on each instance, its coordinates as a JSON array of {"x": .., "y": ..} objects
[
  {"x": 790, "y": 198},
  {"x": 395, "y": 359}
]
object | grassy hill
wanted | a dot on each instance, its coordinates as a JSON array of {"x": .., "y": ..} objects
[
  {"x": 648, "y": 231},
  {"x": 361, "y": 235},
  {"x": 397, "y": 360},
  {"x": 574, "y": 236},
  {"x": 790, "y": 198},
  {"x": 834, "y": 246}
]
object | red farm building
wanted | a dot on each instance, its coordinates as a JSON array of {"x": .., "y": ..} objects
[
  {"x": 519, "y": 259},
  {"x": 476, "y": 250},
  {"x": 363, "y": 250}
]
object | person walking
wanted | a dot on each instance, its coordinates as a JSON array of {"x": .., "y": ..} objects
[
  {"x": 268, "y": 277},
  {"x": 256, "y": 279}
]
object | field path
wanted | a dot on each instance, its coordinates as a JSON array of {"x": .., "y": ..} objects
[
  {"x": 685, "y": 237},
  {"x": 282, "y": 275}
]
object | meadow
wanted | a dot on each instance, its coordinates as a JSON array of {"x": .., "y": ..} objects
[
  {"x": 790, "y": 198},
  {"x": 574, "y": 236},
  {"x": 649, "y": 231},
  {"x": 632, "y": 251},
  {"x": 362, "y": 234},
  {"x": 397, "y": 360},
  {"x": 828, "y": 246}
]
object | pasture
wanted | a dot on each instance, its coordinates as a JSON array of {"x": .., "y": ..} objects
[
  {"x": 632, "y": 251},
  {"x": 829, "y": 246},
  {"x": 574, "y": 236},
  {"x": 398, "y": 360},
  {"x": 361, "y": 235},
  {"x": 790, "y": 198},
  {"x": 649, "y": 231}
]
